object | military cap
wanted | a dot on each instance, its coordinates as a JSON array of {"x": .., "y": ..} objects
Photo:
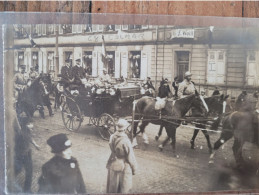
[
  {"x": 59, "y": 143},
  {"x": 78, "y": 60},
  {"x": 122, "y": 125}
]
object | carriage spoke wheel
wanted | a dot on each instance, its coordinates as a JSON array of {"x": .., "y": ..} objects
[
  {"x": 106, "y": 126},
  {"x": 71, "y": 115}
]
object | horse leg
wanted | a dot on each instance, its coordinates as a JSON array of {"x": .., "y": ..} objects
[
  {"x": 159, "y": 133},
  {"x": 225, "y": 136},
  {"x": 205, "y": 132},
  {"x": 237, "y": 150},
  {"x": 41, "y": 111},
  {"x": 195, "y": 133},
  {"x": 142, "y": 130},
  {"x": 134, "y": 141},
  {"x": 161, "y": 146},
  {"x": 173, "y": 141}
]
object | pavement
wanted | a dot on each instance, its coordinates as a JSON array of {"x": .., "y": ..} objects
[{"x": 159, "y": 172}]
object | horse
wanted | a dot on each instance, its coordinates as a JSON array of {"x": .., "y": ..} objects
[
  {"x": 32, "y": 98},
  {"x": 241, "y": 124},
  {"x": 145, "y": 111},
  {"x": 216, "y": 105}
]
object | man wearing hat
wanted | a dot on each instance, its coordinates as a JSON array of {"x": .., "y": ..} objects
[
  {"x": 66, "y": 74},
  {"x": 33, "y": 74},
  {"x": 78, "y": 72},
  {"x": 164, "y": 89},
  {"x": 187, "y": 86},
  {"x": 122, "y": 162},
  {"x": 149, "y": 84},
  {"x": 61, "y": 174},
  {"x": 20, "y": 81}
]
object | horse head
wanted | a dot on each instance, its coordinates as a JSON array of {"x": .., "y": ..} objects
[
  {"x": 217, "y": 104},
  {"x": 246, "y": 102}
]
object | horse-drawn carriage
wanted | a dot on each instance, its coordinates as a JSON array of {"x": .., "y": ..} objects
[{"x": 103, "y": 105}]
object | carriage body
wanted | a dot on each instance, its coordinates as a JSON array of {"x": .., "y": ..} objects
[{"x": 102, "y": 105}]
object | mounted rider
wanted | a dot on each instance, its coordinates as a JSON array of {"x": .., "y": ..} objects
[
  {"x": 20, "y": 81},
  {"x": 187, "y": 86}
]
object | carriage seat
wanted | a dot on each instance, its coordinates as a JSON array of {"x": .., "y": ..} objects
[{"x": 160, "y": 103}]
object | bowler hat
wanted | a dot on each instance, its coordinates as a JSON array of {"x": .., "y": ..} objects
[
  {"x": 59, "y": 143},
  {"x": 122, "y": 124}
]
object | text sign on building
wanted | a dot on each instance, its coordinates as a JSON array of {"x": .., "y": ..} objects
[{"x": 182, "y": 33}]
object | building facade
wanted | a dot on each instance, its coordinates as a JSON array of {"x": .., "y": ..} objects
[{"x": 222, "y": 57}]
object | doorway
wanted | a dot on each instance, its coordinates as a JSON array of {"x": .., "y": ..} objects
[{"x": 182, "y": 62}]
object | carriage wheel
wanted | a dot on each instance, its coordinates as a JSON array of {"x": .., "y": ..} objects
[
  {"x": 106, "y": 126},
  {"x": 71, "y": 115}
]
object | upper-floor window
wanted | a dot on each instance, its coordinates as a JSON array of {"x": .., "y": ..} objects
[
  {"x": 87, "y": 59},
  {"x": 66, "y": 28},
  {"x": 135, "y": 64},
  {"x": 50, "y": 29}
]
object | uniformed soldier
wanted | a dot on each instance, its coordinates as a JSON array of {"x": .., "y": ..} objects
[
  {"x": 61, "y": 174},
  {"x": 20, "y": 81},
  {"x": 33, "y": 74},
  {"x": 78, "y": 72},
  {"x": 187, "y": 86},
  {"x": 164, "y": 89},
  {"x": 149, "y": 84},
  {"x": 66, "y": 74}
]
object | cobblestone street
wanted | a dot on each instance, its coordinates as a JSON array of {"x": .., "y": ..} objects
[{"x": 159, "y": 172}]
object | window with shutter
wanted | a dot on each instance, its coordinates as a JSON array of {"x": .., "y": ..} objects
[
  {"x": 74, "y": 28},
  {"x": 125, "y": 27},
  {"x": 117, "y": 27},
  {"x": 100, "y": 28},
  {"x": 60, "y": 29},
  {"x": 251, "y": 69},
  {"x": 144, "y": 26},
  {"x": 216, "y": 67},
  {"x": 79, "y": 28},
  {"x": 94, "y": 27}
]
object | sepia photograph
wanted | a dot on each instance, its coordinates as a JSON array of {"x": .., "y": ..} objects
[{"x": 130, "y": 108}]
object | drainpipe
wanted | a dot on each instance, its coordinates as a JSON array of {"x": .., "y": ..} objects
[
  {"x": 156, "y": 55},
  {"x": 57, "y": 54}
]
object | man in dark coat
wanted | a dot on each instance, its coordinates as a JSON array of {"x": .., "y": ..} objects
[
  {"x": 66, "y": 74},
  {"x": 149, "y": 84},
  {"x": 164, "y": 89},
  {"x": 78, "y": 72},
  {"x": 61, "y": 174},
  {"x": 23, "y": 157}
]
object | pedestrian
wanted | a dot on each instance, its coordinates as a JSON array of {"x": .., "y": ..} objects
[
  {"x": 20, "y": 81},
  {"x": 122, "y": 163},
  {"x": 61, "y": 174},
  {"x": 164, "y": 89},
  {"x": 23, "y": 154},
  {"x": 175, "y": 85},
  {"x": 187, "y": 86}
]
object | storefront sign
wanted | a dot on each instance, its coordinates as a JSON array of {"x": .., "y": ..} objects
[{"x": 182, "y": 33}]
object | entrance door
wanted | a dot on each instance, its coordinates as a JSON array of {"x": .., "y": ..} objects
[{"x": 182, "y": 61}]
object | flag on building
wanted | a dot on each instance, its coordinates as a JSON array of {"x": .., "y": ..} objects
[{"x": 104, "y": 54}]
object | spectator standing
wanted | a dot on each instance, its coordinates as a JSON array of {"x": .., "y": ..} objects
[{"x": 122, "y": 163}]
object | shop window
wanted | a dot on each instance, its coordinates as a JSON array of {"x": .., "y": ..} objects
[
  {"x": 68, "y": 55},
  {"x": 20, "y": 58},
  {"x": 88, "y": 62},
  {"x": 110, "y": 60},
  {"x": 135, "y": 64},
  {"x": 35, "y": 59},
  {"x": 50, "y": 62},
  {"x": 216, "y": 67}
]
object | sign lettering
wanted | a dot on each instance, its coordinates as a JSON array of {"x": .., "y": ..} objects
[{"x": 182, "y": 33}]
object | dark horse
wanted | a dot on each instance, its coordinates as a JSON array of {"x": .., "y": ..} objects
[
  {"x": 33, "y": 97},
  {"x": 145, "y": 111},
  {"x": 241, "y": 124},
  {"x": 216, "y": 106}
]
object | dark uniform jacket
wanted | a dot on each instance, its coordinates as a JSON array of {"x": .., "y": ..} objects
[
  {"x": 62, "y": 176},
  {"x": 164, "y": 91},
  {"x": 78, "y": 73},
  {"x": 150, "y": 85},
  {"x": 66, "y": 74}
]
